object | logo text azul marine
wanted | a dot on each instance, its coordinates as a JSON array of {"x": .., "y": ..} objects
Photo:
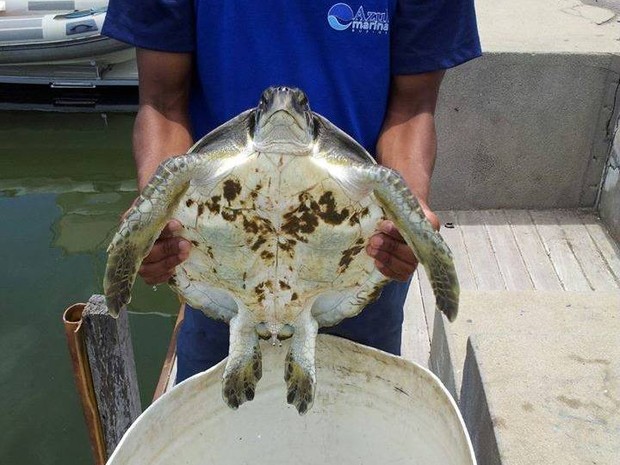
[{"x": 341, "y": 17}]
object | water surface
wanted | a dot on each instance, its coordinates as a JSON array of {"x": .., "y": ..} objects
[{"x": 64, "y": 181}]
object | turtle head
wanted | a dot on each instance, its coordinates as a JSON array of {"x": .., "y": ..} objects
[{"x": 284, "y": 122}]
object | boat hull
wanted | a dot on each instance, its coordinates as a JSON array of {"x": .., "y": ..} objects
[{"x": 61, "y": 36}]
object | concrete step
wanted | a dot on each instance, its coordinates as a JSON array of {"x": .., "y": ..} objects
[
  {"x": 508, "y": 250},
  {"x": 539, "y": 374},
  {"x": 530, "y": 124}
]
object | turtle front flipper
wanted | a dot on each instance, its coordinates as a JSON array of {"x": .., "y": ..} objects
[
  {"x": 430, "y": 249},
  {"x": 299, "y": 370},
  {"x": 140, "y": 228},
  {"x": 244, "y": 367},
  {"x": 403, "y": 209}
]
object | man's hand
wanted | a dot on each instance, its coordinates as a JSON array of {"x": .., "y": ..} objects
[
  {"x": 392, "y": 255},
  {"x": 168, "y": 251}
]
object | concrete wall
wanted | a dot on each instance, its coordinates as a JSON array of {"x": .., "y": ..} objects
[
  {"x": 521, "y": 130},
  {"x": 609, "y": 205}
]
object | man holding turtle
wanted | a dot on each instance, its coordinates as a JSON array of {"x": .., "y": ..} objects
[{"x": 372, "y": 67}]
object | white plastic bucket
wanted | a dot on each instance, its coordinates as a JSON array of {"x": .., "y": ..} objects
[{"x": 371, "y": 408}]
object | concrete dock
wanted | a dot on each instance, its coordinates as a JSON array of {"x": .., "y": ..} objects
[{"x": 527, "y": 188}]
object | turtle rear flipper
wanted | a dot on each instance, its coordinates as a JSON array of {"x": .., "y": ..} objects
[
  {"x": 299, "y": 370},
  {"x": 244, "y": 366}
]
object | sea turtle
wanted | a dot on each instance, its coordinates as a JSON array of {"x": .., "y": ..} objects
[{"x": 279, "y": 204}]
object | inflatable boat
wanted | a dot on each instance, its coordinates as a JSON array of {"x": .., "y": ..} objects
[{"x": 51, "y": 31}]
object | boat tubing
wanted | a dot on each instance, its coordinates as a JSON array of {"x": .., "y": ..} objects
[{"x": 30, "y": 38}]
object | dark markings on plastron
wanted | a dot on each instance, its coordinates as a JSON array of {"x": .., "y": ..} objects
[
  {"x": 266, "y": 255},
  {"x": 209, "y": 251},
  {"x": 250, "y": 226},
  {"x": 284, "y": 285},
  {"x": 328, "y": 211},
  {"x": 354, "y": 219},
  {"x": 257, "y": 224},
  {"x": 294, "y": 296},
  {"x": 303, "y": 219},
  {"x": 261, "y": 289},
  {"x": 260, "y": 241},
  {"x": 189, "y": 202},
  {"x": 201, "y": 209},
  {"x": 214, "y": 204},
  {"x": 288, "y": 246},
  {"x": 254, "y": 192},
  {"x": 195, "y": 243},
  {"x": 172, "y": 281},
  {"x": 374, "y": 295},
  {"x": 348, "y": 255},
  {"x": 232, "y": 188},
  {"x": 229, "y": 214}
]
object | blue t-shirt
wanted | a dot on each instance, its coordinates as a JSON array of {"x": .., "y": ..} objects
[{"x": 341, "y": 54}]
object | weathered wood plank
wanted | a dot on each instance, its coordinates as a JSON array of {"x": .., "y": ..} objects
[
  {"x": 592, "y": 264},
  {"x": 167, "y": 376},
  {"x": 453, "y": 237},
  {"x": 72, "y": 321},
  {"x": 482, "y": 257},
  {"x": 173, "y": 375},
  {"x": 416, "y": 341},
  {"x": 538, "y": 263},
  {"x": 608, "y": 248},
  {"x": 110, "y": 355},
  {"x": 562, "y": 257},
  {"x": 507, "y": 252}
]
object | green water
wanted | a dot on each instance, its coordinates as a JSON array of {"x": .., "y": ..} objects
[{"x": 64, "y": 181}]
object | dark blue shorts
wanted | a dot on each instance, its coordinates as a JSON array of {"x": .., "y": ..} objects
[{"x": 203, "y": 342}]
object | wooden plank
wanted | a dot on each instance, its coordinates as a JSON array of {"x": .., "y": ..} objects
[
  {"x": 609, "y": 249},
  {"x": 482, "y": 257},
  {"x": 173, "y": 375},
  {"x": 113, "y": 369},
  {"x": 453, "y": 237},
  {"x": 562, "y": 257},
  {"x": 588, "y": 255},
  {"x": 167, "y": 375},
  {"x": 416, "y": 341},
  {"x": 508, "y": 255},
  {"x": 537, "y": 262},
  {"x": 72, "y": 320}
]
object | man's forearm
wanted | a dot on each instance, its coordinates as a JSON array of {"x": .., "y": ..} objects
[
  {"x": 162, "y": 127},
  {"x": 409, "y": 147},
  {"x": 408, "y": 140},
  {"x": 157, "y": 136}
]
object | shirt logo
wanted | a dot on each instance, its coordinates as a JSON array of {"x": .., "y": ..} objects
[{"x": 341, "y": 17}]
